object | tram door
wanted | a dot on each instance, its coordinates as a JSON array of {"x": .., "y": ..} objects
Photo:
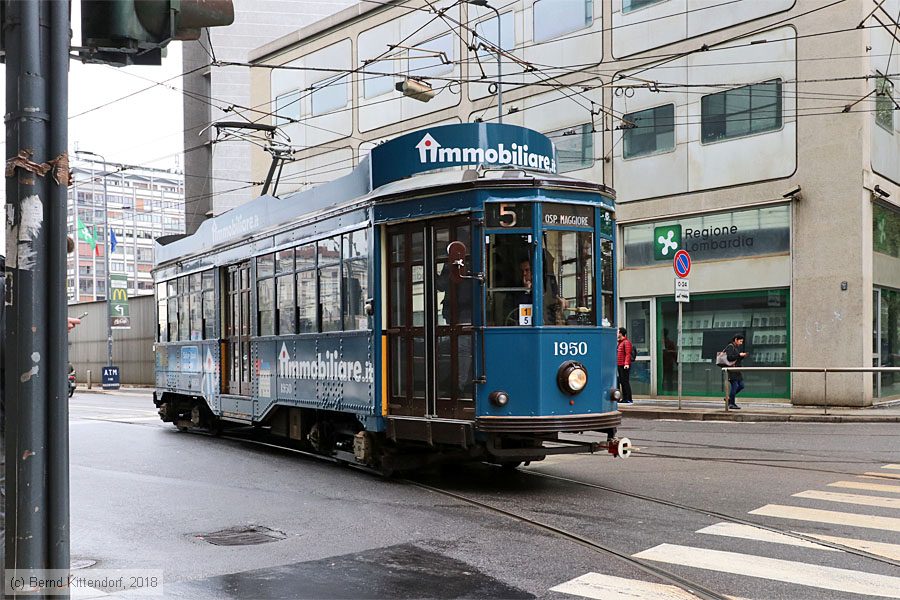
[
  {"x": 430, "y": 330},
  {"x": 236, "y": 358}
]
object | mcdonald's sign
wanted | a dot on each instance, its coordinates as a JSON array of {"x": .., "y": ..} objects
[{"x": 119, "y": 314}]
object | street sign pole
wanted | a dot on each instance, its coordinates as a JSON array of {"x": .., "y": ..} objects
[{"x": 682, "y": 266}]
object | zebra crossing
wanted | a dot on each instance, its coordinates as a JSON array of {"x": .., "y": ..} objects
[{"x": 869, "y": 525}]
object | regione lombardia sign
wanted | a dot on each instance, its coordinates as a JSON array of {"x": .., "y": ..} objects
[{"x": 490, "y": 144}]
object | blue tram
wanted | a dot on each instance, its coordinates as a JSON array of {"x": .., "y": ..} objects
[{"x": 451, "y": 298}]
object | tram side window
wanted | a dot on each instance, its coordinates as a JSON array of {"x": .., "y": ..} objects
[
  {"x": 196, "y": 307},
  {"x": 509, "y": 300},
  {"x": 162, "y": 319},
  {"x": 209, "y": 306},
  {"x": 568, "y": 290},
  {"x": 184, "y": 315},
  {"x": 284, "y": 290},
  {"x": 265, "y": 294},
  {"x": 606, "y": 284},
  {"x": 329, "y": 251},
  {"x": 355, "y": 283}
]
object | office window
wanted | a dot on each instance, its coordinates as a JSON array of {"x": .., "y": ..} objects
[
  {"x": 649, "y": 131},
  {"x": 287, "y": 107},
  {"x": 574, "y": 147},
  {"x": 487, "y": 32},
  {"x": 633, "y": 5},
  {"x": 553, "y": 18},
  {"x": 740, "y": 112},
  {"x": 884, "y": 104},
  {"x": 376, "y": 85},
  {"x": 434, "y": 57},
  {"x": 329, "y": 95}
]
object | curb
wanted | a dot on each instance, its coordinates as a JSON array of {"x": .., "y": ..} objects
[{"x": 756, "y": 417}]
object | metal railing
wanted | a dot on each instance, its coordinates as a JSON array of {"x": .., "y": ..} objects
[{"x": 824, "y": 370}]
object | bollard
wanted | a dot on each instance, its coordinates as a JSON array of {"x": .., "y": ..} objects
[{"x": 88, "y": 376}]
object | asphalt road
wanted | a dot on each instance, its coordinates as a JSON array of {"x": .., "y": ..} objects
[{"x": 146, "y": 496}]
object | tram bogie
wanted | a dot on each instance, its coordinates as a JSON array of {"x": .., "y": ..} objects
[{"x": 455, "y": 315}]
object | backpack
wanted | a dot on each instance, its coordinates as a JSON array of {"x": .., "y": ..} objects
[
  {"x": 722, "y": 358},
  {"x": 633, "y": 354}
]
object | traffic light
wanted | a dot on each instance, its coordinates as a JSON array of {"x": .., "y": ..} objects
[{"x": 133, "y": 32}]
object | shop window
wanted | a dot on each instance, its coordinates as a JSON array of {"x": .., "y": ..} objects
[
  {"x": 574, "y": 147},
  {"x": 887, "y": 340},
  {"x": 710, "y": 321},
  {"x": 886, "y": 230},
  {"x": 633, "y": 5},
  {"x": 553, "y": 18},
  {"x": 650, "y": 131},
  {"x": 884, "y": 104},
  {"x": 741, "y": 112}
]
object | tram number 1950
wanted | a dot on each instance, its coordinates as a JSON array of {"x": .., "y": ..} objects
[{"x": 570, "y": 348}]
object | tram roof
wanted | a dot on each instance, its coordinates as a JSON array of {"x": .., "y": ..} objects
[{"x": 270, "y": 213}]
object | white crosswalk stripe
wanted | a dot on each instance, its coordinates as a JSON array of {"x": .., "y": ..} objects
[
  {"x": 884, "y": 549},
  {"x": 608, "y": 587},
  {"x": 883, "y": 475},
  {"x": 788, "y": 571},
  {"x": 850, "y": 499},
  {"x": 827, "y": 516},
  {"x": 870, "y": 487},
  {"x": 748, "y": 532}
]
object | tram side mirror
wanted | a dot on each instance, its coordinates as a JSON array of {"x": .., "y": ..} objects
[{"x": 456, "y": 253}]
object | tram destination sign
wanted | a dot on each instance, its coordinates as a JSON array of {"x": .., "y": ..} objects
[{"x": 490, "y": 144}]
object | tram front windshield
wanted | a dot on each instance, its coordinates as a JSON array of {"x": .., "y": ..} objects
[{"x": 567, "y": 286}]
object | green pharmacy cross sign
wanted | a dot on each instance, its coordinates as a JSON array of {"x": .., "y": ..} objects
[
  {"x": 119, "y": 313},
  {"x": 666, "y": 241}
]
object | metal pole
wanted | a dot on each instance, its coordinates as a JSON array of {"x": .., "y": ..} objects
[
  {"x": 680, "y": 353},
  {"x": 58, "y": 413},
  {"x": 109, "y": 340},
  {"x": 29, "y": 337},
  {"x": 134, "y": 236},
  {"x": 499, "y": 69}
]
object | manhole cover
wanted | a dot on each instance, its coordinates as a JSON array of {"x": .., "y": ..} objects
[{"x": 241, "y": 536}]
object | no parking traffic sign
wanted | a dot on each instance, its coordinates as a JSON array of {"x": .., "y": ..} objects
[{"x": 682, "y": 263}]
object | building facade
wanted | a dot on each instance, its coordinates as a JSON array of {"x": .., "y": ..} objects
[
  {"x": 222, "y": 170},
  {"x": 138, "y": 205},
  {"x": 762, "y": 137}
]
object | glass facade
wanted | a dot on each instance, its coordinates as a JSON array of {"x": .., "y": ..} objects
[
  {"x": 709, "y": 323},
  {"x": 886, "y": 340},
  {"x": 886, "y": 230},
  {"x": 650, "y": 131}
]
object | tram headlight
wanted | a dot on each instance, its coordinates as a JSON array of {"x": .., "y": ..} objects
[
  {"x": 499, "y": 398},
  {"x": 572, "y": 377}
]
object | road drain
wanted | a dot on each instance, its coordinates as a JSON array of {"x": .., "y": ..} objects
[{"x": 251, "y": 535}]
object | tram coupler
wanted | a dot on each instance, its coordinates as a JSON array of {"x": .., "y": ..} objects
[{"x": 619, "y": 447}]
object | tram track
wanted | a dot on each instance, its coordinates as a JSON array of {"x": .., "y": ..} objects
[{"x": 714, "y": 514}]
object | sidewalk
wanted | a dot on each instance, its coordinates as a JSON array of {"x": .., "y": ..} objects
[
  {"x": 125, "y": 390},
  {"x": 705, "y": 410}
]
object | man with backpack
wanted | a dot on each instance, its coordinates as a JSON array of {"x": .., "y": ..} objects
[
  {"x": 734, "y": 356},
  {"x": 625, "y": 355}
]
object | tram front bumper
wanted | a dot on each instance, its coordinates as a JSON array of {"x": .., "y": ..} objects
[{"x": 549, "y": 424}]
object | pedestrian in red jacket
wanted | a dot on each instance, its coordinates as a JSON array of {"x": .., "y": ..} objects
[{"x": 624, "y": 357}]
